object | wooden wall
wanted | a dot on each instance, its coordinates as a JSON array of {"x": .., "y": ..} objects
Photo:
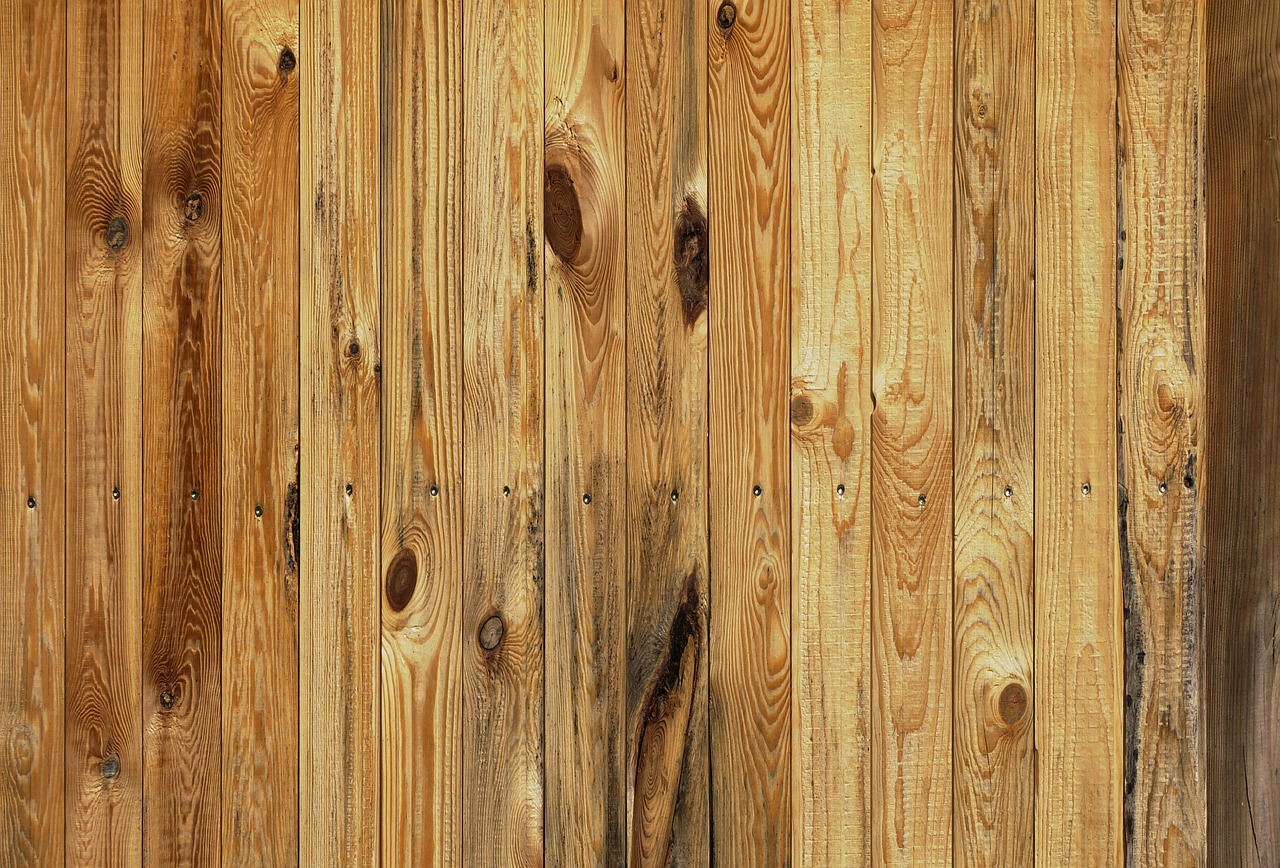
[{"x": 640, "y": 432}]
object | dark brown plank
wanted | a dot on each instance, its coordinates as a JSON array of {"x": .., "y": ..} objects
[
  {"x": 260, "y": 433},
  {"x": 1241, "y": 472},
  {"x": 182, "y": 501}
]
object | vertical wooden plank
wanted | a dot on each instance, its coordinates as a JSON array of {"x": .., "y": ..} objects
[
  {"x": 1079, "y": 630},
  {"x": 182, "y": 401},
  {"x": 421, "y": 256},
  {"x": 911, "y": 461},
  {"x": 260, "y": 433},
  {"x": 831, "y": 434},
  {"x": 502, "y": 299},
  {"x": 340, "y": 351},
  {"x": 32, "y": 380},
  {"x": 668, "y": 819},
  {"x": 104, "y": 434},
  {"x": 749, "y": 139},
  {"x": 994, "y": 671},
  {"x": 1241, "y": 475},
  {"x": 1161, "y": 365},
  {"x": 584, "y": 197}
]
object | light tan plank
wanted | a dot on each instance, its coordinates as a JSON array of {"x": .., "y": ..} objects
[
  {"x": 421, "y": 258},
  {"x": 260, "y": 433},
  {"x": 994, "y": 674},
  {"x": 503, "y": 419},
  {"x": 668, "y": 820},
  {"x": 749, "y": 203},
  {"x": 338, "y": 61},
  {"x": 911, "y": 496},
  {"x": 104, "y": 434},
  {"x": 1161, "y": 337},
  {"x": 584, "y": 192},
  {"x": 32, "y": 365},
  {"x": 1079, "y": 629},
  {"x": 831, "y": 433},
  {"x": 1241, "y": 473}
]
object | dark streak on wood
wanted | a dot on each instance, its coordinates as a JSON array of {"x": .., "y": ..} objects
[{"x": 691, "y": 259}]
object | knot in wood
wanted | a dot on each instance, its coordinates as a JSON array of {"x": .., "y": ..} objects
[
  {"x": 801, "y": 410},
  {"x": 1012, "y": 704},
  {"x": 692, "y": 260},
  {"x": 491, "y": 632},
  {"x": 402, "y": 579},
  {"x": 193, "y": 207},
  {"x": 562, "y": 214},
  {"x": 287, "y": 61},
  {"x": 726, "y": 15},
  {"x": 167, "y": 699},
  {"x": 110, "y": 767},
  {"x": 117, "y": 233}
]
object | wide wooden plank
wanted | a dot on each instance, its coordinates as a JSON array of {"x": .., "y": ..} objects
[
  {"x": 260, "y": 432},
  {"x": 421, "y": 259},
  {"x": 502, "y": 302},
  {"x": 182, "y": 504},
  {"x": 994, "y": 674},
  {"x": 104, "y": 434},
  {"x": 340, "y": 608},
  {"x": 831, "y": 434},
  {"x": 667, "y": 601},
  {"x": 32, "y": 362},
  {"x": 584, "y": 201},
  {"x": 1161, "y": 369},
  {"x": 749, "y": 203},
  {"x": 911, "y": 460},
  {"x": 1079, "y": 630},
  {"x": 1241, "y": 444}
]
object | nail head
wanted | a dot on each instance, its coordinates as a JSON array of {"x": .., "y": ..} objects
[{"x": 756, "y": 490}]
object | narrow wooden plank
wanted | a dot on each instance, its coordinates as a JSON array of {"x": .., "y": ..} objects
[
  {"x": 831, "y": 434},
  {"x": 994, "y": 672},
  {"x": 1161, "y": 367},
  {"x": 1241, "y": 454},
  {"x": 1079, "y": 629},
  {"x": 260, "y": 433},
  {"x": 584, "y": 201},
  {"x": 749, "y": 202},
  {"x": 668, "y": 820},
  {"x": 421, "y": 259},
  {"x": 911, "y": 457},
  {"x": 339, "y": 310},
  {"x": 502, "y": 300},
  {"x": 104, "y": 434},
  {"x": 182, "y": 400},
  {"x": 32, "y": 380}
]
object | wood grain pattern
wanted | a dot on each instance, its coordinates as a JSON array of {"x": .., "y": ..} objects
[
  {"x": 749, "y": 205},
  {"x": 1161, "y": 369},
  {"x": 104, "y": 434},
  {"x": 584, "y": 192},
  {"x": 260, "y": 432},
  {"x": 1241, "y": 474},
  {"x": 831, "y": 434},
  {"x": 1079, "y": 632},
  {"x": 911, "y": 497},
  {"x": 503, "y": 419},
  {"x": 182, "y": 541},
  {"x": 994, "y": 672},
  {"x": 339, "y": 501},
  {"x": 32, "y": 431},
  {"x": 421, "y": 258},
  {"x": 668, "y": 819}
]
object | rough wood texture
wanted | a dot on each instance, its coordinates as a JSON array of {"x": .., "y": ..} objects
[
  {"x": 1078, "y": 715},
  {"x": 502, "y": 302},
  {"x": 831, "y": 434},
  {"x": 1241, "y": 475},
  {"x": 340, "y": 351},
  {"x": 911, "y": 497},
  {"x": 182, "y": 540},
  {"x": 421, "y": 258},
  {"x": 32, "y": 431},
  {"x": 994, "y": 672},
  {"x": 749, "y": 203},
  {"x": 260, "y": 432},
  {"x": 584, "y": 190},
  {"x": 1161, "y": 369},
  {"x": 668, "y": 819},
  {"x": 104, "y": 434}
]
